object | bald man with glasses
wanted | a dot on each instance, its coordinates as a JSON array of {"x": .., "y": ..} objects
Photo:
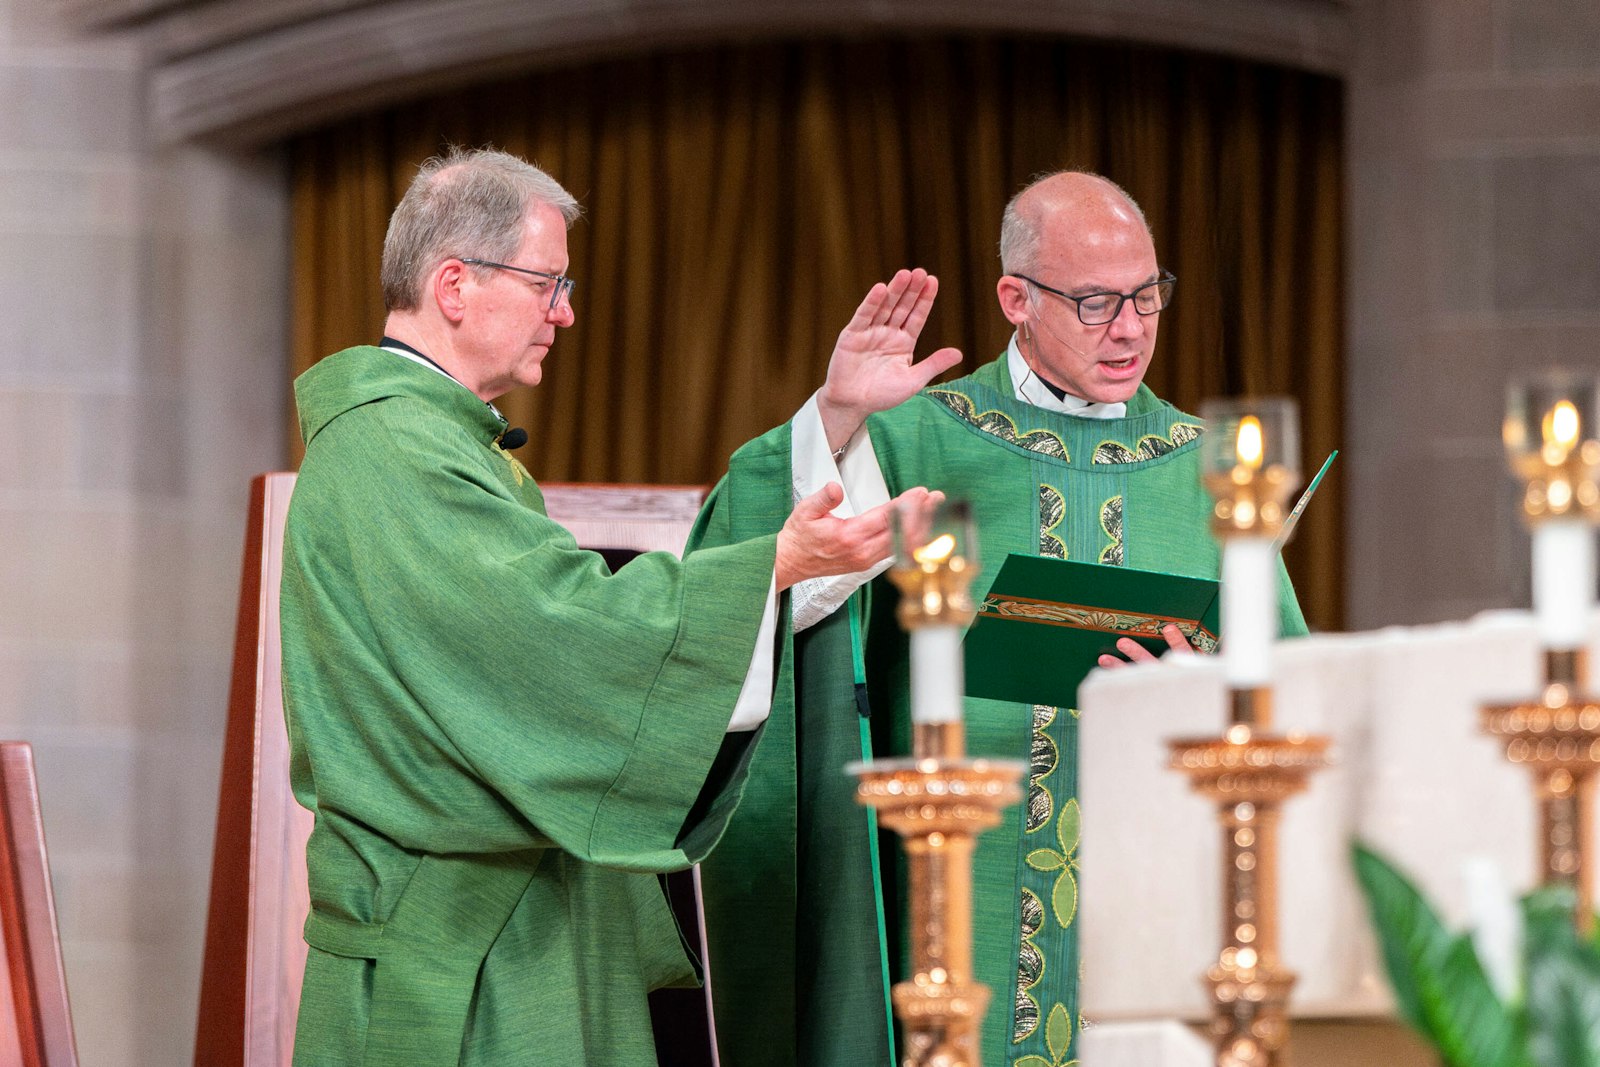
[{"x": 1063, "y": 452}]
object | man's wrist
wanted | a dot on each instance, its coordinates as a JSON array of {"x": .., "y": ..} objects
[{"x": 839, "y": 423}]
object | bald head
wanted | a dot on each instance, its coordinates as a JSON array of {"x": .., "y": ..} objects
[
  {"x": 1068, "y": 205},
  {"x": 1065, "y": 239}
]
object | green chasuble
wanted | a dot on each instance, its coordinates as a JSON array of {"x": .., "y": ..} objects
[
  {"x": 795, "y": 945},
  {"x": 502, "y": 742}
]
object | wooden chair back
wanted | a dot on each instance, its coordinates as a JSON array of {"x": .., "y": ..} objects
[
  {"x": 36, "y": 1020},
  {"x": 255, "y": 954}
]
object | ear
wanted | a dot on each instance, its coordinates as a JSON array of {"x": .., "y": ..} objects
[
  {"x": 1014, "y": 302},
  {"x": 445, "y": 286}
]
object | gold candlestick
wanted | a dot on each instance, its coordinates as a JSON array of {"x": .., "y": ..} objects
[
  {"x": 1250, "y": 469},
  {"x": 1550, "y": 435},
  {"x": 939, "y": 806},
  {"x": 1558, "y": 738},
  {"x": 1249, "y": 773},
  {"x": 938, "y": 801}
]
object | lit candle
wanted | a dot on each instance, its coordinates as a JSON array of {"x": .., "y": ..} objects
[
  {"x": 1249, "y": 620},
  {"x": 1563, "y": 547}
]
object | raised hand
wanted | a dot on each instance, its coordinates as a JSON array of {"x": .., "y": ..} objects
[
  {"x": 874, "y": 365},
  {"x": 814, "y": 543}
]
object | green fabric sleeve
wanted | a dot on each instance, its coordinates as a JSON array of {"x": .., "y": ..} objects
[
  {"x": 594, "y": 703},
  {"x": 749, "y": 882}
]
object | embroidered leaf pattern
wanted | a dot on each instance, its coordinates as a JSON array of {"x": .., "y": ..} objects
[
  {"x": 1046, "y": 859},
  {"x": 1052, "y": 509},
  {"x": 1111, "y": 523},
  {"x": 1030, "y": 969},
  {"x": 1150, "y": 446},
  {"x": 1042, "y": 762},
  {"x": 998, "y": 424},
  {"x": 1064, "y": 896},
  {"x": 1058, "y": 1035}
]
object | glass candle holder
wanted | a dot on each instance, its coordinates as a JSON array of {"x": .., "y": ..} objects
[
  {"x": 1552, "y": 440},
  {"x": 1250, "y": 458}
]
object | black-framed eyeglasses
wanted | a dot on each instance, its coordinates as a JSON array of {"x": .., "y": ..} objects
[
  {"x": 563, "y": 284},
  {"x": 1097, "y": 309}
]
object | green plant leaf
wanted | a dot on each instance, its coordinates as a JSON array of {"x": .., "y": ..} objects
[
  {"x": 1563, "y": 983},
  {"x": 1472, "y": 1027},
  {"x": 1413, "y": 940},
  {"x": 1440, "y": 986},
  {"x": 1547, "y": 920},
  {"x": 1563, "y": 1010}
]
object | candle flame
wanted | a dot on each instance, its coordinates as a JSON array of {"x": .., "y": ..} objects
[
  {"x": 1561, "y": 425},
  {"x": 1248, "y": 445},
  {"x": 936, "y": 551}
]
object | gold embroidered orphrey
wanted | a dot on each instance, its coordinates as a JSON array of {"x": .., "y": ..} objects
[
  {"x": 999, "y": 424},
  {"x": 1150, "y": 446},
  {"x": 1082, "y": 617}
]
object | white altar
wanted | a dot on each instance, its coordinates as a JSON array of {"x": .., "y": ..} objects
[{"x": 1414, "y": 776}]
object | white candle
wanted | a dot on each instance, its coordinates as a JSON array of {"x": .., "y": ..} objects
[
  {"x": 1249, "y": 610},
  {"x": 936, "y": 677},
  {"x": 1563, "y": 581}
]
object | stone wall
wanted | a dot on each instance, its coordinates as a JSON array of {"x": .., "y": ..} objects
[
  {"x": 1474, "y": 225},
  {"x": 142, "y": 367}
]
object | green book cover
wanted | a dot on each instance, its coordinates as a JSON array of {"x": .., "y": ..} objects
[{"x": 1045, "y": 622}]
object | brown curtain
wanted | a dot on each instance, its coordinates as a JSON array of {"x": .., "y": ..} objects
[{"x": 740, "y": 200}]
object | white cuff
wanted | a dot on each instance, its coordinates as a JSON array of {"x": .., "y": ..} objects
[
  {"x": 755, "y": 697},
  {"x": 858, "y": 472}
]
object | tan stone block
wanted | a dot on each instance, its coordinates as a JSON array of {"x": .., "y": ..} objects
[
  {"x": 65, "y": 573},
  {"x": 34, "y": 445},
  {"x": 1546, "y": 231},
  {"x": 70, "y": 105}
]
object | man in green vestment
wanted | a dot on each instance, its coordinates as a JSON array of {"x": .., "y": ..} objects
[
  {"x": 1062, "y": 451},
  {"x": 502, "y": 742}
]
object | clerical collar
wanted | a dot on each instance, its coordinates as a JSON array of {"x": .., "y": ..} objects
[
  {"x": 405, "y": 351},
  {"x": 1032, "y": 389}
]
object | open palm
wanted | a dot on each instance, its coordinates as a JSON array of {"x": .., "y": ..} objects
[{"x": 874, "y": 364}]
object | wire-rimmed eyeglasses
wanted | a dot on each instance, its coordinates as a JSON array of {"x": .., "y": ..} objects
[
  {"x": 563, "y": 284},
  {"x": 1097, "y": 309}
]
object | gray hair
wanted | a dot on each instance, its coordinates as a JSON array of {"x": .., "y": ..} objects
[
  {"x": 467, "y": 202},
  {"x": 1019, "y": 226}
]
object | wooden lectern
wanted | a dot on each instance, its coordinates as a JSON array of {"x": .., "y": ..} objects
[
  {"x": 36, "y": 1027},
  {"x": 255, "y": 955}
]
